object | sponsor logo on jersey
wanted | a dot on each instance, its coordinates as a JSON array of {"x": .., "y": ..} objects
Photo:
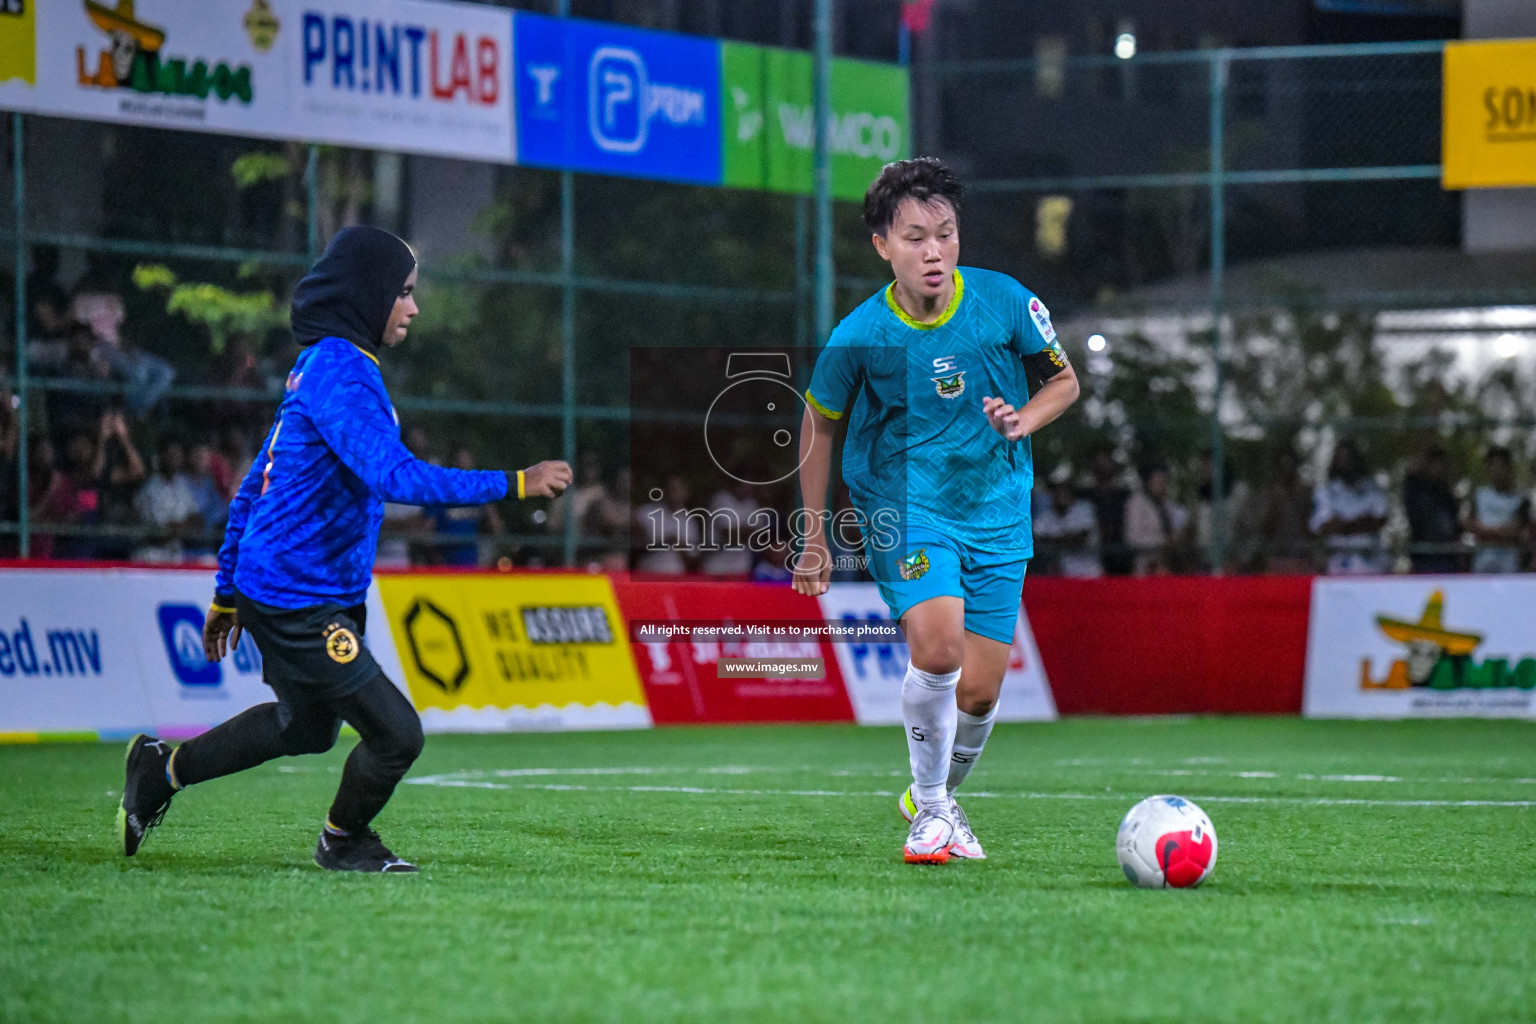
[
  {"x": 950, "y": 387},
  {"x": 914, "y": 566},
  {"x": 1042, "y": 318}
]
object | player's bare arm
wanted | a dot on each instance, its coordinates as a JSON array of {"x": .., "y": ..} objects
[
  {"x": 1045, "y": 407},
  {"x": 818, "y": 437}
]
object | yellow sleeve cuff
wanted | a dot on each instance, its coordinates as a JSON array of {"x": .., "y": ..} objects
[
  {"x": 221, "y": 609},
  {"x": 828, "y": 413},
  {"x": 522, "y": 491}
]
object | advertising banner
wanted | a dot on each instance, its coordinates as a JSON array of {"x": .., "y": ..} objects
[
  {"x": 410, "y": 75},
  {"x": 1425, "y": 647},
  {"x": 1489, "y": 118},
  {"x": 1172, "y": 645},
  {"x": 470, "y": 81},
  {"x": 114, "y": 652},
  {"x": 683, "y": 676},
  {"x": 613, "y": 100},
  {"x": 873, "y": 672},
  {"x": 487, "y": 653},
  {"x": 406, "y": 75},
  {"x": 769, "y": 121}
]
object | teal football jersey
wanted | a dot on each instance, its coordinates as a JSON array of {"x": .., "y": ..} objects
[{"x": 918, "y": 443}]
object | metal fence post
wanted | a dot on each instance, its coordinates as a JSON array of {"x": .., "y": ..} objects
[
  {"x": 19, "y": 187},
  {"x": 825, "y": 284},
  {"x": 1219, "y": 65},
  {"x": 568, "y": 344},
  {"x": 568, "y": 332},
  {"x": 312, "y": 202},
  {"x": 802, "y": 233}
]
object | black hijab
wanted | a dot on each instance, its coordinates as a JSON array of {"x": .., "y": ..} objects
[{"x": 351, "y": 290}]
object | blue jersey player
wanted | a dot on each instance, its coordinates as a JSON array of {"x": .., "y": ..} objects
[
  {"x": 928, "y": 377},
  {"x": 298, "y": 554}
]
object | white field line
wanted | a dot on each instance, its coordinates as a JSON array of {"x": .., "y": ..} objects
[
  {"x": 458, "y": 781},
  {"x": 1133, "y": 769},
  {"x": 1146, "y": 766},
  {"x": 1178, "y": 772}
]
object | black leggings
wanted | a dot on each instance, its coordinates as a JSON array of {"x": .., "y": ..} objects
[{"x": 383, "y": 717}]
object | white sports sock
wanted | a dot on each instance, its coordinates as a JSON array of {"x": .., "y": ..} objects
[
  {"x": 928, "y": 711},
  {"x": 971, "y": 732}
]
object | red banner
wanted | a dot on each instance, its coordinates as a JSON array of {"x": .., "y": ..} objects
[
  {"x": 680, "y": 675},
  {"x": 1172, "y": 644}
]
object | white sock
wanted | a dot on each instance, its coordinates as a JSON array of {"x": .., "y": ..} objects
[
  {"x": 971, "y": 732},
  {"x": 928, "y": 711}
]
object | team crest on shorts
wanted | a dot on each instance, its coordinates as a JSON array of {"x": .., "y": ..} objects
[
  {"x": 950, "y": 387},
  {"x": 914, "y": 566},
  {"x": 340, "y": 643}
]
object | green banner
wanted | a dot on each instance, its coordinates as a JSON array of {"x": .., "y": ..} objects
[{"x": 767, "y": 117}]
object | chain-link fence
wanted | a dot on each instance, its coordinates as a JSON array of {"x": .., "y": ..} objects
[
  {"x": 1252, "y": 259},
  {"x": 1248, "y": 254},
  {"x": 158, "y": 272}
]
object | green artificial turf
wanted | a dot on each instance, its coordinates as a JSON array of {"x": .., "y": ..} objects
[{"x": 755, "y": 874}]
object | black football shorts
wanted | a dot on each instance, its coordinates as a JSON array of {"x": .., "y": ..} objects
[{"x": 309, "y": 654}]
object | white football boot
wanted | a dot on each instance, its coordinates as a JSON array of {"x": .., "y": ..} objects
[
  {"x": 931, "y": 836},
  {"x": 966, "y": 845}
]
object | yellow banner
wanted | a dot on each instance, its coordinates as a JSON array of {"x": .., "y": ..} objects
[
  {"x": 18, "y": 42},
  {"x": 1488, "y": 137},
  {"x": 472, "y": 641}
]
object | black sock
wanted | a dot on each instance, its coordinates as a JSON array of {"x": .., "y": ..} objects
[
  {"x": 254, "y": 737},
  {"x": 391, "y": 740}
]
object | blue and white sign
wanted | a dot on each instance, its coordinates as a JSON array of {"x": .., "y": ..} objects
[
  {"x": 593, "y": 97},
  {"x": 403, "y": 74},
  {"x": 181, "y": 627},
  {"x": 873, "y": 672},
  {"x": 120, "y": 651}
]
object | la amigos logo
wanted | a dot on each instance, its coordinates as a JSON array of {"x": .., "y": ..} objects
[
  {"x": 134, "y": 59},
  {"x": 1440, "y": 658}
]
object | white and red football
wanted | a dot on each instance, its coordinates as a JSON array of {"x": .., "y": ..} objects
[{"x": 1166, "y": 842}]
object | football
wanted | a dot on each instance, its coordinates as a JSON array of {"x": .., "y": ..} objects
[{"x": 1166, "y": 842}]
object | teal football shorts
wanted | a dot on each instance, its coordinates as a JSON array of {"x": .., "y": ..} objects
[{"x": 926, "y": 563}]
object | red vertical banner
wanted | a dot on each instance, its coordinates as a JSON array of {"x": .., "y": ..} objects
[{"x": 681, "y": 674}]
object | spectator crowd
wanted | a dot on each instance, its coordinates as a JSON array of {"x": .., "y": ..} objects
[
  {"x": 1349, "y": 522},
  {"x": 117, "y": 473}
]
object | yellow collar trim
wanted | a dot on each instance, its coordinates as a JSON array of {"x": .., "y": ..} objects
[{"x": 949, "y": 310}]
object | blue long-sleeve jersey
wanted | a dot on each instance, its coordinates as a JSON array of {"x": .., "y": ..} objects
[{"x": 304, "y": 526}]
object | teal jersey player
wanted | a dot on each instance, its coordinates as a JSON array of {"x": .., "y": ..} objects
[
  {"x": 917, "y": 443},
  {"x": 928, "y": 380}
]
